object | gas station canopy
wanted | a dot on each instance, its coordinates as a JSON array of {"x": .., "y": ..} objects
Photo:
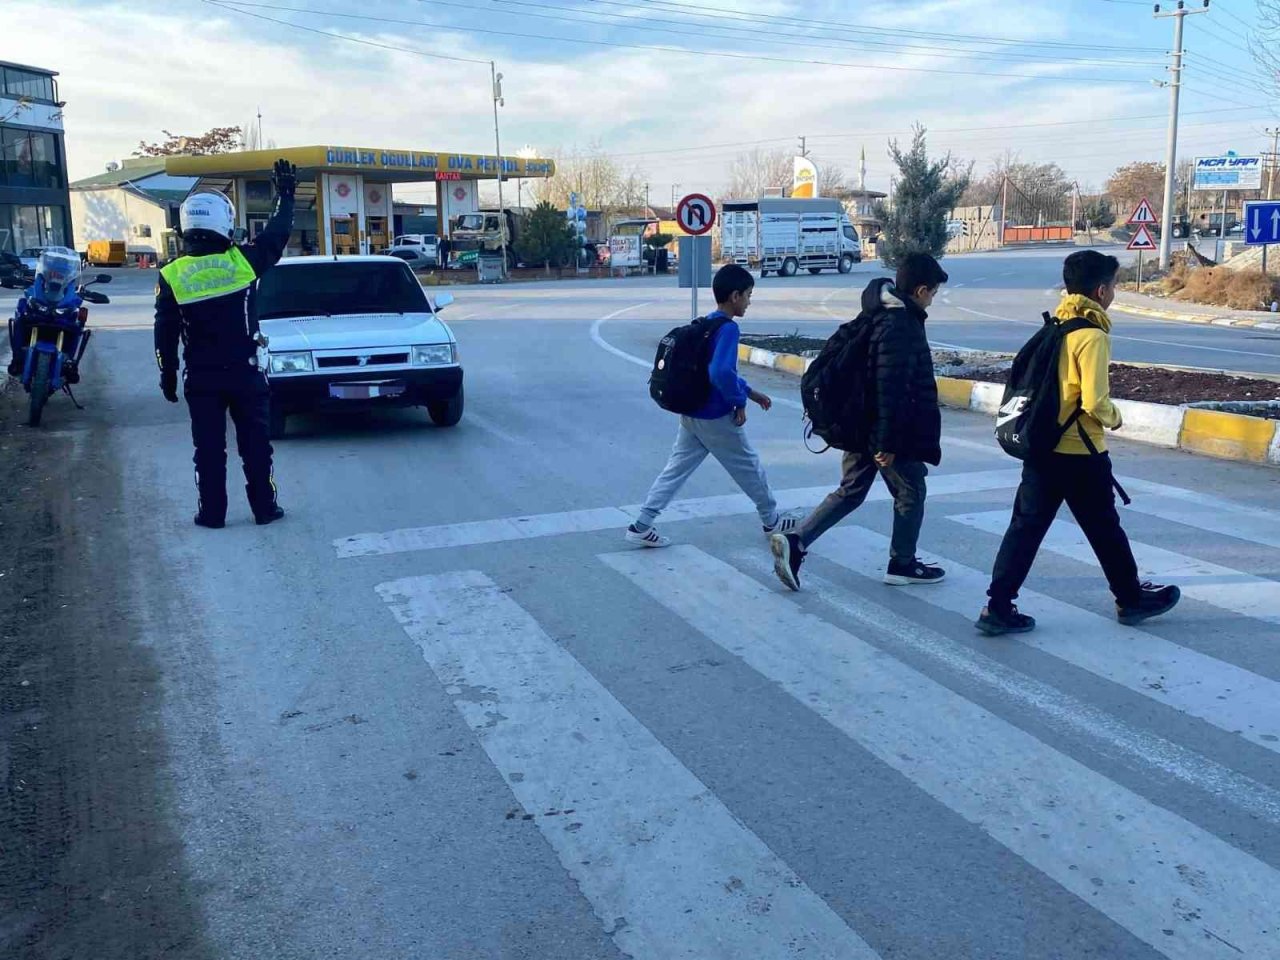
[
  {"x": 385, "y": 166},
  {"x": 344, "y": 193}
]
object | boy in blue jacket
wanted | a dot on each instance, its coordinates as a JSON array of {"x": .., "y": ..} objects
[{"x": 717, "y": 428}]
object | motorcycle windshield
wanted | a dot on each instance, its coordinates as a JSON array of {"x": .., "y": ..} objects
[{"x": 57, "y": 273}]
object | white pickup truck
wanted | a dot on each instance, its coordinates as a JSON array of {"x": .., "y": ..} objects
[{"x": 782, "y": 234}]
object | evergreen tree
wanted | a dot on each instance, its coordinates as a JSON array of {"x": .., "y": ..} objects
[
  {"x": 547, "y": 238},
  {"x": 927, "y": 192}
]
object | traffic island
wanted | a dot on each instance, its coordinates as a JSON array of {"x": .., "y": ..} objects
[{"x": 1206, "y": 412}]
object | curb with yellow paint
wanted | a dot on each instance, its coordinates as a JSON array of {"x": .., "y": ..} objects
[
  {"x": 1213, "y": 433},
  {"x": 1211, "y": 319}
]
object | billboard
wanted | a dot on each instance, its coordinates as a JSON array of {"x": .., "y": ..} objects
[
  {"x": 1228, "y": 173},
  {"x": 804, "y": 183}
]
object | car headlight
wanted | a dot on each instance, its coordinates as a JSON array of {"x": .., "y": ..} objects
[
  {"x": 291, "y": 363},
  {"x": 433, "y": 353}
]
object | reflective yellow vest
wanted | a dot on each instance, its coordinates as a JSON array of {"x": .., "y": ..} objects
[{"x": 193, "y": 279}]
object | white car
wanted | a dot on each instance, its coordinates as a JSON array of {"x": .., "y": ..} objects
[
  {"x": 348, "y": 332},
  {"x": 425, "y": 246}
]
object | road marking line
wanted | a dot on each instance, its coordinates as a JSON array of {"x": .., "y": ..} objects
[
  {"x": 506, "y": 529},
  {"x": 488, "y": 426},
  {"x": 1205, "y": 512},
  {"x": 605, "y": 345},
  {"x": 1110, "y": 736},
  {"x": 1222, "y": 694},
  {"x": 1121, "y": 854},
  {"x": 643, "y": 837},
  {"x": 1222, "y": 587}
]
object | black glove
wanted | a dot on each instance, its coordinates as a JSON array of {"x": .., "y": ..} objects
[
  {"x": 285, "y": 178},
  {"x": 169, "y": 386}
]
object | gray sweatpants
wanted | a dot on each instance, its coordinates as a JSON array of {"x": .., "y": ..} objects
[{"x": 728, "y": 443}]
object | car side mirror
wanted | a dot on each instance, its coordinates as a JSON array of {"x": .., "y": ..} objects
[{"x": 443, "y": 300}]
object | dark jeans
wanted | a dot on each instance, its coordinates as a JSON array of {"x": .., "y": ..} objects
[
  {"x": 243, "y": 393},
  {"x": 905, "y": 480},
  {"x": 1084, "y": 483}
]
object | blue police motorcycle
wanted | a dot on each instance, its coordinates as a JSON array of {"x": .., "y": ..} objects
[{"x": 48, "y": 332}]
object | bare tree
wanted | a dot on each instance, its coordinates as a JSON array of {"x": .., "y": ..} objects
[
  {"x": 1135, "y": 182},
  {"x": 755, "y": 173},
  {"x": 1264, "y": 43},
  {"x": 600, "y": 180}
]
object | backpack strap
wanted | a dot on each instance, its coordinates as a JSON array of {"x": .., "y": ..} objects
[{"x": 1071, "y": 326}]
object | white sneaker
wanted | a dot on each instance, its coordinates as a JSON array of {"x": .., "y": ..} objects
[
  {"x": 649, "y": 538},
  {"x": 785, "y": 524}
]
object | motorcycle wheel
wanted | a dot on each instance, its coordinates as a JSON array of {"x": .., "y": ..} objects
[{"x": 39, "y": 388}]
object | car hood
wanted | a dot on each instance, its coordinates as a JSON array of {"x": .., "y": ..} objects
[{"x": 354, "y": 330}]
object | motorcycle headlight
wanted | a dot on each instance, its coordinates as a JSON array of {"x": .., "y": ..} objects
[
  {"x": 433, "y": 353},
  {"x": 291, "y": 363}
]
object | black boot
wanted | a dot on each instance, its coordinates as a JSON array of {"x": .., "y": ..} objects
[
  {"x": 208, "y": 520},
  {"x": 276, "y": 512}
]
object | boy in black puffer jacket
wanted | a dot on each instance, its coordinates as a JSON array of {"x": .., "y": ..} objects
[{"x": 905, "y": 427}]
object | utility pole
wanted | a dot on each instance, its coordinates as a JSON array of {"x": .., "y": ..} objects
[
  {"x": 1274, "y": 134},
  {"x": 803, "y": 151},
  {"x": 1179, "y": 14},
  {"x": 498, "y": 101},
  {"x": 261, "y": 145}
]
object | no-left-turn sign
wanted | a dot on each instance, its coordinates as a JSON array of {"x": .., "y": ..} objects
[{"x": 696, "y": 214}]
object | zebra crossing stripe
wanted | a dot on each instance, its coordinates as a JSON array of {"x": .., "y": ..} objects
[
  {"x": 1212, "y": 690},
  {"x": 1204, "y": 512},
  {"x": 1222, "y": 587},
  {"x": 642, "y": 836},
  {"x": 1109, "y": 735},
  {"x": 505, "y": 529},
  {"x": 1172, "y": 884}
]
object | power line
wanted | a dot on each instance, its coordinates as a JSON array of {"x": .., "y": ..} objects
[
  {"x": 775, "y": 36},
  {"x": 708, "y": 12},
  {"x": 339, "y": 36},
  {"x": 1240, "y": 20},
  {"x": 237, "y": 5},
  {"x": 791, "y": 39},
  {"x": 1212, "y": 31}
]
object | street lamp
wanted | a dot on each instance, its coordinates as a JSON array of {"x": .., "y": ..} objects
[
  {"x": 498, "y": 101},
  {"x": 525, "y": 153}
]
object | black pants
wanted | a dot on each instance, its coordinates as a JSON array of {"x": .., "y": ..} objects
[
  {"x": 242, "y": 392},
  {"x": 905, "y": 480},
  {"x": 1084, "y": 483}
]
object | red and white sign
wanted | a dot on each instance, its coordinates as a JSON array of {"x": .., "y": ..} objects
[
  {"x": 1142, "y": 240},
  {"x": 1142, "y": 213},
  {"x": 696, "y": 214}
]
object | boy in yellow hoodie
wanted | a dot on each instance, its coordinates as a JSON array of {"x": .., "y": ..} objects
[{"x": 1075, "y": 474}]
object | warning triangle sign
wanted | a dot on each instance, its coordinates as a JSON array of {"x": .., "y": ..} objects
[
  {"x": 1143, "y": 213},
  {"x": 1142, "y": 240}
]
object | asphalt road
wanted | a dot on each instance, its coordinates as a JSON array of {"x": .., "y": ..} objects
[{"x": 442, "y": 711}]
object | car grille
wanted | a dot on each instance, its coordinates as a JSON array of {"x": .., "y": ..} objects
[{"x": 370, "y": 360}]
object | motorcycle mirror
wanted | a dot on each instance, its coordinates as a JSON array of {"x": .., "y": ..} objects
[{"x": 102, "y": 278}]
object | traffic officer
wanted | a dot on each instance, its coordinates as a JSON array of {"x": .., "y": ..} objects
[{"x": 205, "y": 299}]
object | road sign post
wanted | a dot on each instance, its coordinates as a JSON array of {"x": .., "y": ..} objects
[
  {"x": 1142, "y": 218},
  {"x": 1262, "y": 225},
  {"x": 696, "y": 215}
]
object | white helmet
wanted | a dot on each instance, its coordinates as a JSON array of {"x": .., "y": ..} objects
[{"x": 211, "y": 212}]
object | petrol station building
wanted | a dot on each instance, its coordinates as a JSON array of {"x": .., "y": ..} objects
[{"x": 344, "y": 203}]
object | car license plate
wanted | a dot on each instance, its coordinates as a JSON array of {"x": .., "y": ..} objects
[{"x": 364, "y": 391}]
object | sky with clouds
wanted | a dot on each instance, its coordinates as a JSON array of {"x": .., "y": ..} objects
[{"x": 674, "y": 87}]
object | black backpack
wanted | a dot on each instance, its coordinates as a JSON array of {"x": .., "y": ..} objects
[
  {"x": 1027, "y": 425},
  {"x": 835, "y": 390},
  {"x": 679, "y": 381}
]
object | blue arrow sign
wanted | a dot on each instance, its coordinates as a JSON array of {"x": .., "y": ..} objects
[{"x": 1261, "y": 222}]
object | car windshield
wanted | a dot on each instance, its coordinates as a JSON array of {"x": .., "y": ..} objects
[
  {"x": 470, "y": 221},
  {"x": 33, "y": 252},
  {"x": 333, "y": 287}
]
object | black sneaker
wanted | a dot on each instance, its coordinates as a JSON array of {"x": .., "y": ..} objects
[
  {"x": 212, "y": 522},
  {"x": 1152, "y": 603},
  {"x": 995, "y": 623},
  {"x": 788, "y": 554},
  {"x": 262, "y": 519},
  {"x": 904, "y": 572}
]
